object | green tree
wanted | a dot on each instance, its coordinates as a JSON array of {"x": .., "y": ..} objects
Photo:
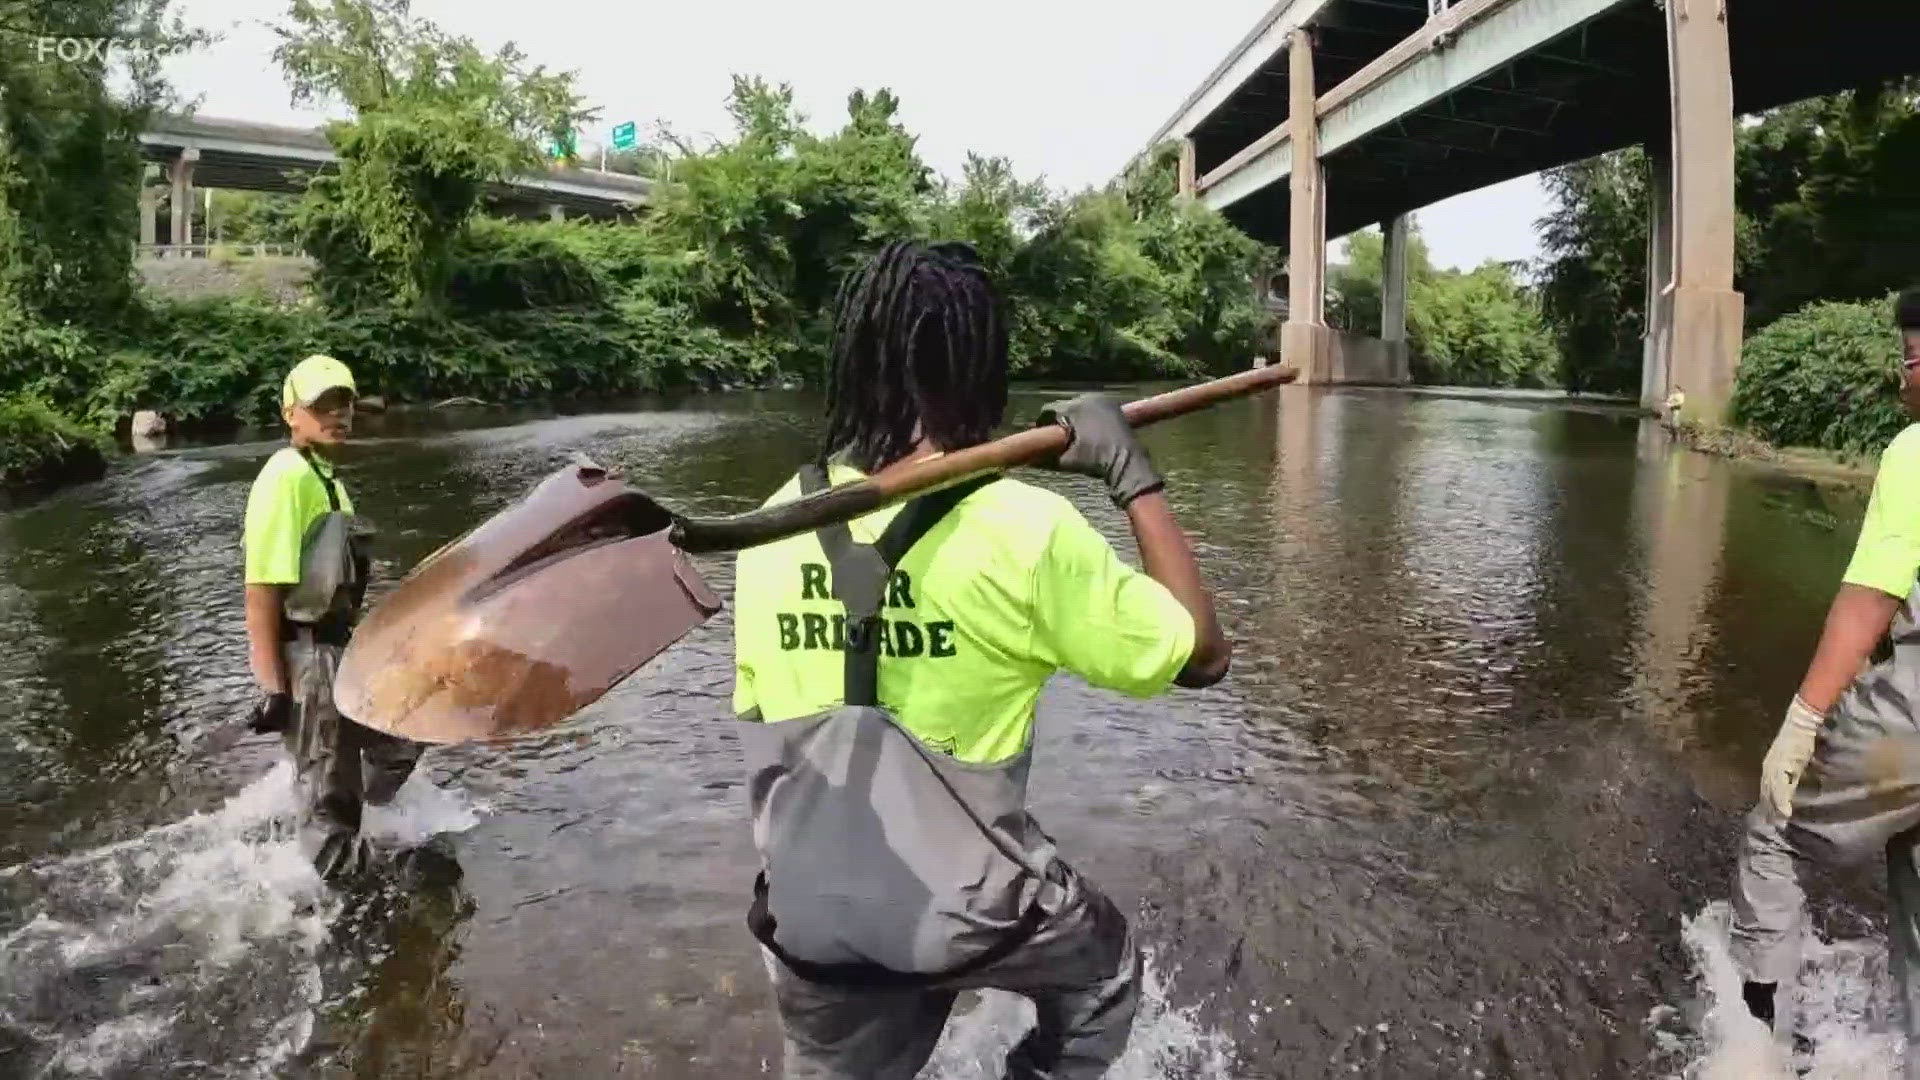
[
  {"x": 1594, "y": 278},
  {"x": 1827, "y": 200},
  {"x": 1355, "y": 282},
  {"x": 759, "y": 232},
  {"x": 1481, "y": 328},
  {"x": 70, "y": 162},
  {"x": 256, "y": 217},
  {"x": 1826, "y": 209},
  {"x": 435, "y": 121},
  {"x": 1132, "y": 281},
  {"x": 1826, "y": 376}
]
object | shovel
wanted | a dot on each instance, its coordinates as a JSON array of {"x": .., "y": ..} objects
[{"x": 545, "y": 606}]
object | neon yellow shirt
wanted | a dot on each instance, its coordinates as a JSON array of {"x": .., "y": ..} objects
[
  {"x": 1012, "y": 586},
  {"x": 1887, "y": 555},
  {"x": 285, "y": 501}
]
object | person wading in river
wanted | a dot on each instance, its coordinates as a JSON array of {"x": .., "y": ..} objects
[
  {"x": 1841, "y": 782},
  {"x": 306, "y": 576},
  {"x": 889, "y": 669}
]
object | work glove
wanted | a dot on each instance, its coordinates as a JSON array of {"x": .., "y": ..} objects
[
  {"x": 1788, "y": 756},
  {"x": 272, "y": 713},
  {"x": 1102, "y": 445}
]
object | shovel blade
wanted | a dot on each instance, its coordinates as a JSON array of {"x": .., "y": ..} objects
[{"x": 528, "y": 619}]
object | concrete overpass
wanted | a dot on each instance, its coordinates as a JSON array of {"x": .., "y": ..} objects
[
  {"x": 1332, "y": 115},
  {"x": 244, "y": 156}
]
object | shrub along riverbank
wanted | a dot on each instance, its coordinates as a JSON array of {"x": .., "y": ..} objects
[
  {"x": 729, "y": 276},
  {"x": 727, "y": 280},
  {"x": 41, "y": 448},
  {"x": 1826, "y": 376}
]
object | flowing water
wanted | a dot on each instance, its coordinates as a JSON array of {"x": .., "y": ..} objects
[{"x": 1465, "y": 807}]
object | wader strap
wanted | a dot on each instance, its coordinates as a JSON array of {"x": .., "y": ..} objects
[
  {"x": 860, "y": 576},
  {"x": 861, "y": 572},
  {"x": 333, "y": 495},
  {"x": 762, "y": 923},
  {"x": 330, "y": 631}
]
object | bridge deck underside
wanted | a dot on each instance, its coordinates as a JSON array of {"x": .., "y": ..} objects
[{"x": 1598, "y": 87}]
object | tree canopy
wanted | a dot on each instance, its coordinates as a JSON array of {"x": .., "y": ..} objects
[{"x": 435, "y": 120}]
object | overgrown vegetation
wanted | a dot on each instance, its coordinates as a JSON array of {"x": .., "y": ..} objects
[
  {"x": 69, "y": 169},
  {"x": 1481, "y": 327},
  {"x": 40, "y": 446},
  {"x": 1824, "y": 190},
  {"x": 435, "y": 120},
  {"x": 727, "y": 279},
  {"x": 1825, "y": 376}
]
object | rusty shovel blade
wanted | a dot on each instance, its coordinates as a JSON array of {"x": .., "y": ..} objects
[{"x": 527, "y": 619}]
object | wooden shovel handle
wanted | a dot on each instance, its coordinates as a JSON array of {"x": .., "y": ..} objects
[{"x": 1041, "y": 443}]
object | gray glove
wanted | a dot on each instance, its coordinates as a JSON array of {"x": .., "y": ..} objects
[{"x": 1103, "y": 446}]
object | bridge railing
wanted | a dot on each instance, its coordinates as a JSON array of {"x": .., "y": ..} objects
[
  {"x": 211, "y": 251},
  {"x": 1435, "y": 7}
]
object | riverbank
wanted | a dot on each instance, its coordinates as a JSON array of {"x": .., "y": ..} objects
[
  {"x": 42, "y": 450},
  {"x": 1812, "y": 463}
]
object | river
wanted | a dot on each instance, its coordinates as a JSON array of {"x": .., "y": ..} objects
[{"x": 1465, "y": 806}]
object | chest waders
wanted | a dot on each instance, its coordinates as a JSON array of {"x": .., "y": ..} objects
[
  {"x": 340, "y": 765},
  {"x": 886, "y": 863},
  {"x": 1859, "y": 800}
]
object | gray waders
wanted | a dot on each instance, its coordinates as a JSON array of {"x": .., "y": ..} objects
[
  {"x": 1859, "y": 799},
  {"x": 895, "y": 876},
  {"x": 339, "y": 765}
]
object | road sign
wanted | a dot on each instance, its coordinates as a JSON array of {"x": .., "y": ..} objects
[
  {"x": 565, "y": 148},
  {"x": 623, "y": 136}
]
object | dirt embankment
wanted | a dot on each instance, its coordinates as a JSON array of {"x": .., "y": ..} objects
[{"x": 279, "y": 279}]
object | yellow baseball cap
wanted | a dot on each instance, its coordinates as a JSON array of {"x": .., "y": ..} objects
[{"x": 312, "y": 377}]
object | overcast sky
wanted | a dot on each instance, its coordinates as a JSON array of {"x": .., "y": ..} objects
[{"x": 1067, "y": 89}]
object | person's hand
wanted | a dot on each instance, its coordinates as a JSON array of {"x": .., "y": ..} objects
[
  {"x": 1788, "y": 756},
  {"x": 271, "y": 713},
  {"x": 1102, "y": 445}
]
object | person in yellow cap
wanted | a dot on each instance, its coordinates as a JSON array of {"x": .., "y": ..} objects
[{"x": 306, "y": 576}]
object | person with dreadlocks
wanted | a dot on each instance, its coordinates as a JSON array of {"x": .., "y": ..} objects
[{"x": 888, "y": 670}]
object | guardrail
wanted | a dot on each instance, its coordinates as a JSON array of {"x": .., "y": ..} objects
[{"x": 209, "y": 251}]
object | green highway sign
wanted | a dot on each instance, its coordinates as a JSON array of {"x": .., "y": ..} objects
[{"x": 623, "y": 136}]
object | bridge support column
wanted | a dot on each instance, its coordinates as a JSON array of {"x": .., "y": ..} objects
[
  {"x": 556, "y": 212},
  {"x": 149, "y": 213},
  {"x": 1707, "y": 313},
  {"x": 181, "y": 173},
  {"x": 1305, "y": 341},
  {"x": 1393, "y": 281},
  {"x": 1655, "y": 379},
  {"x": 1189, "y": 169}
]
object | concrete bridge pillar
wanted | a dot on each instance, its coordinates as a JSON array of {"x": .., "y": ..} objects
[
  {"x": 1704, "y": 350},
  {"x": 1393, "y": 280},
  {"x": 180, "y": 172},
  {"x": 1189, "y": 170},
  {"x": 149, "y": 213},
  {"x": 1655, "y": 378},
  {"x": 1304, "y": 338}
]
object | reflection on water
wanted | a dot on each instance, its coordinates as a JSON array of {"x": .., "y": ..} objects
[{"x": 1504, "y": 672}]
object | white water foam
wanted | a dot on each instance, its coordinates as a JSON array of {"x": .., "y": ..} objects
[
  {"x": 1167, "y": 1042},
  {"x": 1842, "y": 1008},
  {"x": 161, "y": 954}
]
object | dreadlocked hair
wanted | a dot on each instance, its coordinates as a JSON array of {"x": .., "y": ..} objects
[
  {"x": 919, "y": 350},
  {"x": 1906, "y": 310}
]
